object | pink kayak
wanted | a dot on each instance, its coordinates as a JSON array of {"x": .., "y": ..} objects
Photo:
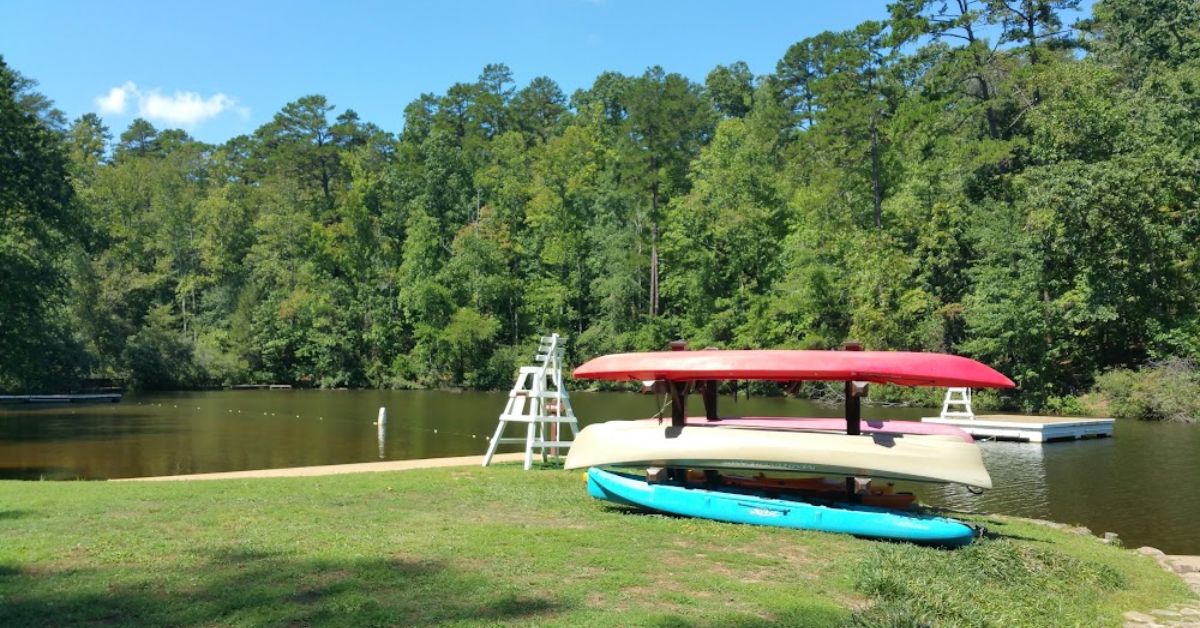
[{"x": 836, "y": 425}]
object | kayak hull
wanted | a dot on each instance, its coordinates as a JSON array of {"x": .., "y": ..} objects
[
  {"x": 834, "y": 425},
  {"x": 881, "y": 367},
  {"x": 734, "y": 507},
  {"x": 916, "y": 457},
  {"x": 804, "y": 488}
]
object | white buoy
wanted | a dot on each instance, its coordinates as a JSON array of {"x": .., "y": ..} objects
[{"x": 382, "y": 423}]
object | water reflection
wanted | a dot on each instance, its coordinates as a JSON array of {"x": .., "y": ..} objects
[
  {"x": 1018, "y": 476},
  {"x": 1143, "y": 484},
  {"x": 234, "y": 430}
]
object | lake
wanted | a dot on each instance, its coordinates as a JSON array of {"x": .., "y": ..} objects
[{"x": 1143, "y": 484}]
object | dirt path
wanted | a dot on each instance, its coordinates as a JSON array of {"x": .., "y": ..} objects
[{"x": 336, "y": 469}]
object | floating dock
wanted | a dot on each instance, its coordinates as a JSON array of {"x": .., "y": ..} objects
[
  {"x": 957, "y": 411},
  {"x": 1033, "y": 429},
  {"x": 88, "y": 398}
]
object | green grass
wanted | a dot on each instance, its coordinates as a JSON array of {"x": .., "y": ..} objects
[{"x": 491, "y": 546}]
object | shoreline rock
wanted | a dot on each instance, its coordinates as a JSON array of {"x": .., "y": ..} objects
[{"x": 1185, "y": 615}]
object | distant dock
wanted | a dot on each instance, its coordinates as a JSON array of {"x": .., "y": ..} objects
[
  {"x": 61, "y": 399},
  {"x": 1032, "y": 429}
]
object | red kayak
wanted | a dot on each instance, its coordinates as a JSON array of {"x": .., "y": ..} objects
[{"x": 881, "y": 367}]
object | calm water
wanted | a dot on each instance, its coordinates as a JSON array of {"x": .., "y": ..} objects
[{"x": 1144, "y": 484}]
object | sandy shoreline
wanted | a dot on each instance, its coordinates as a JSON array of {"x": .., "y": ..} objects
[{"x": 335, "y": 469}]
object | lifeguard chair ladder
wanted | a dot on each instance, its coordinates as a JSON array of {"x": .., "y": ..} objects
[
  {"x": 540, "y": 400},
  {"x": 961, "y": 398}
]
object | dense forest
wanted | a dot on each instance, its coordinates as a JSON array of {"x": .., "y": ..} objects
[{"x": 969, "y": 176}]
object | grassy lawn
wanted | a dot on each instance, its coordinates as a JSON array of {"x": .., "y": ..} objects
[{"x": 474, "y": 546}]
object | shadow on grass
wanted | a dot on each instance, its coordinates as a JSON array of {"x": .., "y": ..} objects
[
  {"x": 992, "y": 535},
  {"x": 14, "y": 514},
  {"x": 244, "y": 586},
  {"x": 634, "y": 511}
]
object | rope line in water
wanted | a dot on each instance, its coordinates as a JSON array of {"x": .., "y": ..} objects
[{"x": 412, "y": 429}]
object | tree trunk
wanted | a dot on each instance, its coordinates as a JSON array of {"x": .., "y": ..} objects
[
  {"x": 876, "y": 184},
  {"x": 1031, "y": 34},
  {"x": 654, "y": 270},
  {"x": 654, "y": 250}
]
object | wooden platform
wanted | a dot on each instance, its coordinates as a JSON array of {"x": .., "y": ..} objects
[
  {"x": 1033, "y": 429},
  {"x": 89, "y": 398}
]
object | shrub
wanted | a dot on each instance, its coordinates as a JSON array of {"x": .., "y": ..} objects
[
  {"x": 1164, "y": 391},
  {"x": 1068, "y": 405},
  {"x": 907, "y": 395}
]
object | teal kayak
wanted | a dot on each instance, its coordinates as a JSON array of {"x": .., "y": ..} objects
[{"x": 746, "y": 507}]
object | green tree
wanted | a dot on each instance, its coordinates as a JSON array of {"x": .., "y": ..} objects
[
  {"x": 141, "y": 139},
  {"x": 668, "y": 121},
  {"x": 1139, "y": 36},
  {"x": 539, "y": 108},
  {"x": 37, "y": 223},
  {"x": 1037, "y": 24},
  {"x": 731, "y": 89},
  {"x": 721, "y": 245},
  {"x": 300, "y": 143}
]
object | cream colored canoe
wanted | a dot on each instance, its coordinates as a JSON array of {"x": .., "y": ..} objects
[{"x": 917, "y": 457}]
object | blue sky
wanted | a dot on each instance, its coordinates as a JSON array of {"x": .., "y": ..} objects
[{"x": 219, "y": 68}]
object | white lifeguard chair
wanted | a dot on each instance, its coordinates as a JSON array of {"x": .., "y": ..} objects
[
  {"x": 540, "y": 400},
  {"x": 961, "y": 399}
]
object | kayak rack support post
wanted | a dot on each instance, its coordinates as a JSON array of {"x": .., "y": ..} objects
[
  {"x": 853, "y": 420},
  {"x": 853, "y": 405},
  {"x": 854, "y": 392},
  {"x": 709, "y": 390},
  {"x": 853, "y": 410},
  {"x": 678, "y": 392}
]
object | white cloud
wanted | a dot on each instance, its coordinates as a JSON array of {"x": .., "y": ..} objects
[
  {"x": 116, "y": 98},
  {"x": 182, "y": 108},
  {"x": 185, "y": 108}
]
